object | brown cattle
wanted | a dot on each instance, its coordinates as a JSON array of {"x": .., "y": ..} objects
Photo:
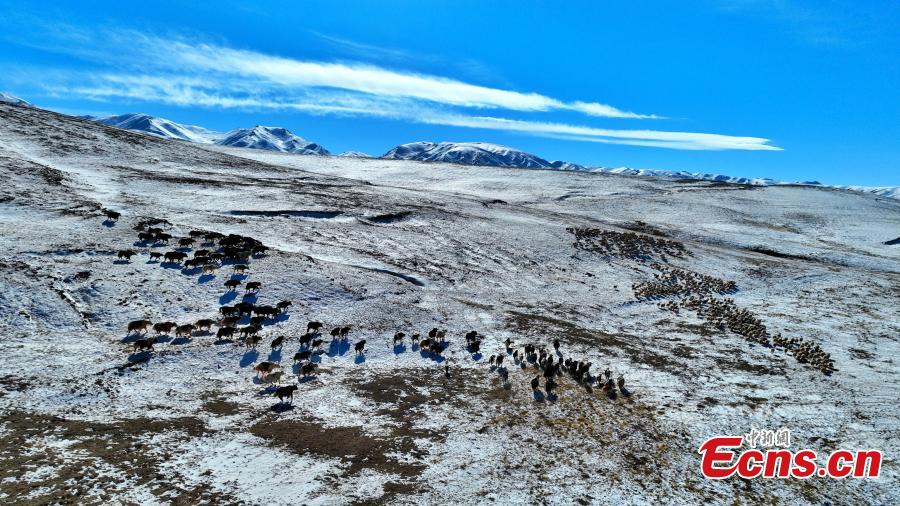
[{"x": 139, "y": 326}]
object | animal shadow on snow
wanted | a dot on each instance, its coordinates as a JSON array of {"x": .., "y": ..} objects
[
  {"x": 227, "y": 297},
  {"x": 316, "y": 357},
  {"x": 477, "y": 356},
  {"x": 109, "y": 223},
  {"x": 249, "y": 358},
  {"x": 275, "y": 355},
  {"x": 360, "y": 358},
  {"x": 121, "y": 262},
  {"x": 139, "y": 357},
  {"x": 539, "y": 396},
  {"x": 625, "y": 392},
  {"x": 206, "y": 278},
  {"x": 130, "y": 338},
  {"x": 399, "y": 348},
  {"x": 171, "y": 265},
  {"x": 281, "y": 407},
  {"x": 193, "y": 271},
  {"x": 181, "y": 340},
  {"x": 249, "y": 297},
  {"x": 338, "y": 348},
  {"x": 432, "y": 356},
  {"x": 306, "y": 379}
]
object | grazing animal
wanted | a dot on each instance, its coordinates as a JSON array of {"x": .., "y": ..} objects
[
  {"x": 184, "y": 330},
  {"x": 499, "y": 360},
  {"x": 145, "y": 236},
  {"x": 185, "y": 242},
  {"x": 398, "y": 337},
  {"x": 126, "y": 254},
  {"x": 205, "y": 323},
  {"x": 257, "y": 320},
  {"x": 225, "y": 332},
  {"x": 253, "y": 286},
  {"x": 306, "y": 338},
  {"x": 344, "y": 332},
  {"x": 144, "y": 344},
  {"x": 112, "y": 215},
  {"x": 283, "y": 305},
  {"x": 196, "y": 233},
  {"x": 535, "y": 382},
  {"x": 508, "y": 344},
  {"x": 232, "y": 284},
  {"x": 433, "y": 333},
  {"x": 175, "y": 256},
  {"x": 277, "y": 342},
  {"x": 240, "y": 268},
  {"x": 273, "y": 377},
  {"x": 360, "y": 346},
  {"x": 139, "y": 326},
  {"x": 335, "y": 332},
  {"x": 210, "y": 268},
  {"x": 556, "y": 345},
  {"x": 313, "y": 327},
  {"x": 550, "y": 385},
  {"x": 155, "y": 255},
  {"x": 229, "y": 310},
  {"x": 504, "y": 375},
  {"x": 471, "y": 336},
  {"x": 620, "y": 382},
  {"x": 288, "y": 392},
  {"x": 164, "y": 327},
  {"x": 302, "y": 355},
  {"x": 265, "y": 367},
  {"x": 252, "y": 341},
  {"x": 228, "y": 321},
  {"x": 316, "y": 343},
  {"x": 308, "y": 368},
  {"x": 244, "y": 308},
  {"x": 249, "y": 330}
]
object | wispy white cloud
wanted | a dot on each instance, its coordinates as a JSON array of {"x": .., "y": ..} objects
[
  {"x": 192, "y": 91},
  {"x": 179, "y": 71}
]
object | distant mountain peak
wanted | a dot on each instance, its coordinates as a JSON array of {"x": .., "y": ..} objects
[
  {"x": 12, "y": 99},
  {"x": 467, "y": 153},
  {"x": 355, "y": 154},
  {"x": 273, "y": 139},
  {"x": 257, "y": 137}
]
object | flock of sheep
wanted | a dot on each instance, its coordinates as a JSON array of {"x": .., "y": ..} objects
[{"x": 694, "y": 291}]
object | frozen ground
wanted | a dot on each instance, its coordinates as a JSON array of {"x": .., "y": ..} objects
[{"x": 387, "y": 246}]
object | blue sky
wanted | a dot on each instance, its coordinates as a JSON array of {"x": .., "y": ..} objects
[{"x": 788, "y": 89}]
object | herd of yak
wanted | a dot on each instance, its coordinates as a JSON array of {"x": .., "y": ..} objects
[{"x": 217, "y": 250}]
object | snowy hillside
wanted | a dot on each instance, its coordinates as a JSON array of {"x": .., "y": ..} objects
[
  {"x": 466, "y": 153},
  {"x": 272, "y": 139},
  {"x": 650, "y": 278}
]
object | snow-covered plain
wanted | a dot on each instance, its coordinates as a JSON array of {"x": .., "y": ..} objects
[{"x": 392, "y": 245}]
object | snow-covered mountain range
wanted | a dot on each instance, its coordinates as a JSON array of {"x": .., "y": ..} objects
[
  {"x": 258, "y": 137},
  {"x": 464, "y": 153},
  {"x": 467, "y": 153}
]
